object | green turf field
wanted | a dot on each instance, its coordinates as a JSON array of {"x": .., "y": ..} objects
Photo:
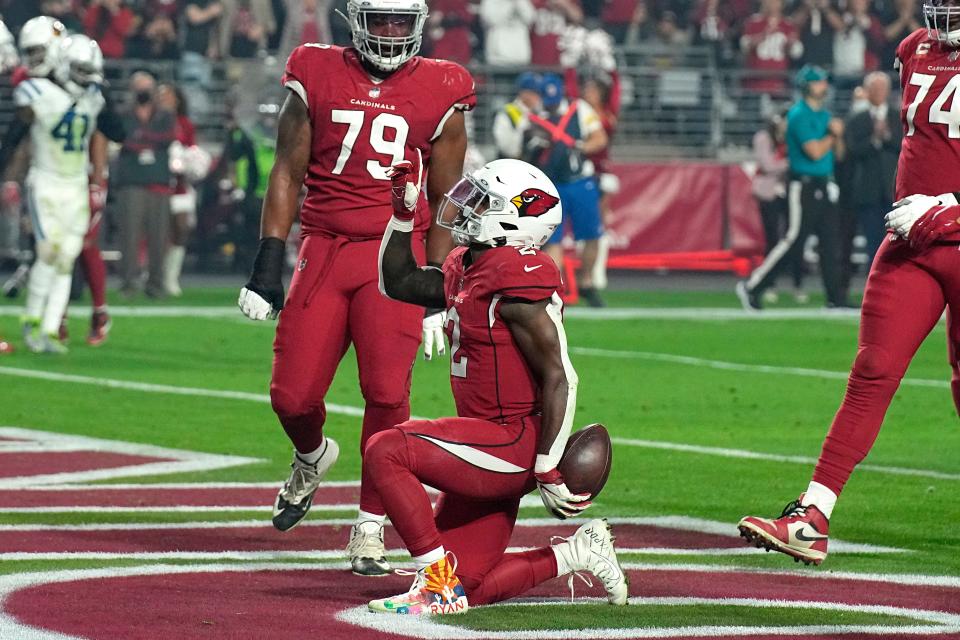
[{"x": 738, "y": 383}]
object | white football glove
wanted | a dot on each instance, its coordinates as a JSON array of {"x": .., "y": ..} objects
[
  {"x": 907, "y": 211},
  {"x": 254, "y": 306},
  {"x": 433, "y": 334},
  {"x": 557, "y": 498}
]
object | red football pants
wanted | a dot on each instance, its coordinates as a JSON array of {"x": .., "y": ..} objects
[
  {"x": 333, "y": 302},
  {"x": 483, "y": 469},
  {"x": 92, "y": 261},
  {"x": 905, "y": 296}
]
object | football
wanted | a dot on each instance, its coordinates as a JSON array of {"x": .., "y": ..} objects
[{"x": 585, "y": 464}]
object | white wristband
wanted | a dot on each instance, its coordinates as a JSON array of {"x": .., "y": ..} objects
[
  {"x": 403, "y": 226},
  {"x": 948, "y": 199},
  {"x": 544, "y": 463}
]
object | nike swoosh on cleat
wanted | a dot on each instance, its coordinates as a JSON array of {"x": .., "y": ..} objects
[
  {"x": 528, "y": 268},
  {"x": 799, "y": 535}
]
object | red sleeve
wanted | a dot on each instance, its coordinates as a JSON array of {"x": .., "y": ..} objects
[
  {"x": 613, "y": 104},
  {"x": 571, "y": 83},
  {"x": 527, "y": 276},
  {"x": 463, "y": 91},
  {"x": 186, "y": 132},
  {"x": 296, "y": 73}
]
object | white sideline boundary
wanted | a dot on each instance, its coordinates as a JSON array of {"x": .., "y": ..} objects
[{"x": 347, "y": 410}]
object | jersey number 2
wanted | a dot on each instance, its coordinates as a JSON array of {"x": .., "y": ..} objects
[
  {"x": 378, "y": 140},
  {"x": 938, "y": 115},
  {"x": 65, "y": 130},
  {"x": 458, "y": 361}
]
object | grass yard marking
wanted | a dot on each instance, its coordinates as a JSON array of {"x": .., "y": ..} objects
[
  {"x": 33, "y": 441},
  {"x": 773, "y": 457},
  {"x": 740, "y": 367},
  {"x": 358, "y": 412}
]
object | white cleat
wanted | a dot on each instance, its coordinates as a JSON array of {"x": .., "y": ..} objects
[
  {"x": 49, "y": 343},
  {"x": 366, "y": 550},
  {"x": 591, "y": 549},
  {"x": 296, "y": 496}
]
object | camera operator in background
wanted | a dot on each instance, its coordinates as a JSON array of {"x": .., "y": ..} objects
[{"x": 143, "y": 184}]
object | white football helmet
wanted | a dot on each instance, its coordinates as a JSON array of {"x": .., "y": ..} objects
[
  {"x": 506, "y": 202},
  {"x": 8, "y": 50},
  {"x": 387, "y": 52},
  {"x": 39, "y": 45},
  {"x": 943, "y": 21},
  {"x": 81, "y": 60}
]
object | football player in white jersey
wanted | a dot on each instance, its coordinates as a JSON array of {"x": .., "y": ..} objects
[
  {"x": 59, "y": 106},
  {"x": 8, "y": 61}
]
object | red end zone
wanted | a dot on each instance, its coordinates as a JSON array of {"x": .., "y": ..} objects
[{"x": 272, "y": 603}]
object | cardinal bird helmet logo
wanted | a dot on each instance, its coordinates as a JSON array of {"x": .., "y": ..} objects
[{"x": 534, "y": 202}]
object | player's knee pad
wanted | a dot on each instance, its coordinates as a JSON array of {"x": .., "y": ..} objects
[
  {"x": 385, "y": 394},
  {"x": 288, "y": 403},
  {"x": 874, "y": 363},
  {"x": 67, "y": 252}
]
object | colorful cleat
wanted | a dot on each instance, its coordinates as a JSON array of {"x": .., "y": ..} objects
[
  {"x": 436, "y": 590},
  {"x": 591, "y": 549},
  {"x": 366, "y": 550},
  {"x": 296, "y": 496},
  {"x": 800, "y": 532},
  {"x": 100, "y": 324}
]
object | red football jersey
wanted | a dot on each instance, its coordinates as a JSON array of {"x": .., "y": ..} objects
[
  {"x": 930, "y": 157},
  {"x": 488, "y": 373},
  {"x": 361, "y": 127}
]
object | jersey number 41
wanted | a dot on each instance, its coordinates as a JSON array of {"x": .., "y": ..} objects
[{"x": 73, "y": 137}]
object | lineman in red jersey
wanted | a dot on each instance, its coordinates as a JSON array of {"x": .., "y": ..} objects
[
  {"x": 515, "y": 391},
  {"x": 350, "y": 115},
  {"x": 915, "y": 275}
]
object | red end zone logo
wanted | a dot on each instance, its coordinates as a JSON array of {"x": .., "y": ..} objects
[{"x": 534, "y": 202}]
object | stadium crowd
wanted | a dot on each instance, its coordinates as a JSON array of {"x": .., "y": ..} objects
[{"x": 849, "y": 36}]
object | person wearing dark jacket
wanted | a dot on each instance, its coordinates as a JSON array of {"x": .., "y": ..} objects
[{"x": 873, "y": 138}]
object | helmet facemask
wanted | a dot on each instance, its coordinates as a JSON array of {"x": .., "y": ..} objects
[
  {"x": 468, "y": 210},
  {"x": 943, "y": 21},
  {"x": 386, "y": 36}
]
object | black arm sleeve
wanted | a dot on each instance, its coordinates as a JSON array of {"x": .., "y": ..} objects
[
  {"x": 110, "y": 124},
  {"x": 16, "y": 132},
  {"x": 403, "y": 279}
]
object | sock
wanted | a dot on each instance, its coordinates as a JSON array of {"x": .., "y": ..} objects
[
  {"x": 38, "y": 288},
  {"x": 365, "y": 516},
  {"x": 172, "y": 266},
  {"x": 313, "y": 456},
  {"x": 563, "y": 567},
  {"x": 821, "y": 497},
  {"x": 56, "y": 303},
  {"x": 427, "y": 559},
  {"x": 96, "y": 271}
]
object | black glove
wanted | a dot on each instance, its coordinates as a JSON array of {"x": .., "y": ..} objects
[{"x": 265, "y": 279}]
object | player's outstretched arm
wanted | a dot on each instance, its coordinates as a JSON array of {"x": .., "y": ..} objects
[
  {"x": 262, "y": 297},
  {"x": 400, "y": 276},
  {"x": 537, "y": 329},
  {"x": 446, "y": 169}
]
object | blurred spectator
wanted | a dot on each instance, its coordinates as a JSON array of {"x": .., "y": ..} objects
[
  {"x": 668, "y": 31},
  {"x": 200, "y": 20},
  {"x": 155, "y": 37},
  {"x": 449, "y": 29},
  {"x": 307, "y": 21},
  {"x": 817, "y": 21},
  {"x": 617, "y": 15},
  {"x": 558, "y": 142},
  {"x": 769, "y": 43},
  {"x": 142, "y": 182},
  {"x": 770, "y": 191},
  {"x": 507, "y": 27},
  {"x": 244, "y": 27},
  {"x": 713, "y": 29},
  {"x": 873, "y": 137},
  {"x": 904, "y": 22},
  {"x": 511, "y": 122},
  {"x": 641, "y": 27},
  {"x": 63, "y": 10},
  {"x": 855, "y": 46},
  {"x": 109, "y": 22},
  {"x": 551, "y": 18}
]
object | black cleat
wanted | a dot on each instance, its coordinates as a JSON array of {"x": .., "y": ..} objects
[
  {"x": 749, "y": 299},
  {"x": 296, "y": 496}
]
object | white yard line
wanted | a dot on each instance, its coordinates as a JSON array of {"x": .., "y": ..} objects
[
  {"x": 358, "y": 412},
  {"x": 625, "y": 313}
]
